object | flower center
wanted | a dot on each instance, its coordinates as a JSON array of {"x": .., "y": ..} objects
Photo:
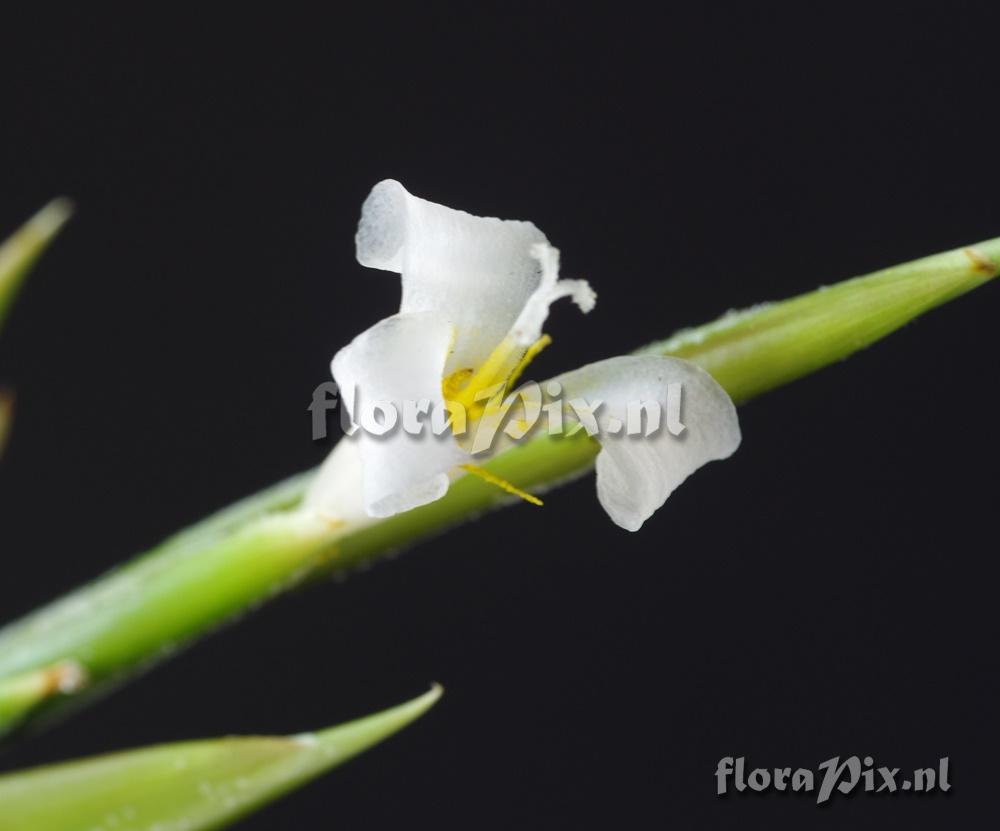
[{"x": 473, "y": 388}]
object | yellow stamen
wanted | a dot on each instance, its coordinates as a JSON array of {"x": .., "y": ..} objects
[
  {"x": 494, "y": 370},
  {"x": 503, "y": 484},
  {"x": 529, "y": 356}
]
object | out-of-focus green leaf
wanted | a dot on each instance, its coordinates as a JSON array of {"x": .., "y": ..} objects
[
  {"x": 17, "y": 255},
  {"x": 21, "y": 250},
  {"x": 194, "y": 785}
]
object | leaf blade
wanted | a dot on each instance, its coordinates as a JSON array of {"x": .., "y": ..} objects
[{"x": 198, "y": 785}]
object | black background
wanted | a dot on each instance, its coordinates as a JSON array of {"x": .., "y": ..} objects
[{"x": 828, "y": 591}]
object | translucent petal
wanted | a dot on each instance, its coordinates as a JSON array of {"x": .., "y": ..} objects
[
  {"x": 475, "y": 272},
  {"x": 636, "y": 473},
  {"x": 384, "y": 370}
]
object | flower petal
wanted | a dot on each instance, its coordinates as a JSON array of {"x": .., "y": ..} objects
[
  {"x": 475, "y": 272},
  {"x": 336, "y": 491},
  {"x": 636, "y": 473},
  {"x": 394, "y": 364}
]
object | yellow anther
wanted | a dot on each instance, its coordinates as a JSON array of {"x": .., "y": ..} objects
[
  {"x": 503, "y": 484},
  {"x": 452, "y": 385}
]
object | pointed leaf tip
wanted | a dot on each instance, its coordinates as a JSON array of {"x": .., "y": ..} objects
[
  {"x": 357, "y": 736},
  {"x": 20, "y": 251},
  {"x": 196, "y": 785}
]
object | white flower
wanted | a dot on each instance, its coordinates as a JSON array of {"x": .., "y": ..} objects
[{"x": 476, "y": 293}]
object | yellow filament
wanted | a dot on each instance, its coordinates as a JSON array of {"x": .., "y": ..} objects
[
  {"x": 503, "y": 484},
  {"x": 529, "y": 356}
]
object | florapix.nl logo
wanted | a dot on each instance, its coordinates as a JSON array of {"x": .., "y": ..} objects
[
  {"x": 853, "y": 774},
  {"x": 531, "y": 409}
]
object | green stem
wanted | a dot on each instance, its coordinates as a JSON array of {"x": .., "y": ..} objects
[{"x": 246, "y": 554}]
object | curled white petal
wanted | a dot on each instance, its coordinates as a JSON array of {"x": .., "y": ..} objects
[
  {"x": 384, "y": 370},
  {"x": 528, "y": 326},
  {"x": 475, "y": 272},
  {"x": 636, "y": 473}
]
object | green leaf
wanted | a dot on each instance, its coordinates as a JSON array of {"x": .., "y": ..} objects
[
  {"x": 238, "y": 559},
  {"x": 17, "y": 255},
  {"x": 188, "y": 785},
  {"x": 20, "y": 252}
]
